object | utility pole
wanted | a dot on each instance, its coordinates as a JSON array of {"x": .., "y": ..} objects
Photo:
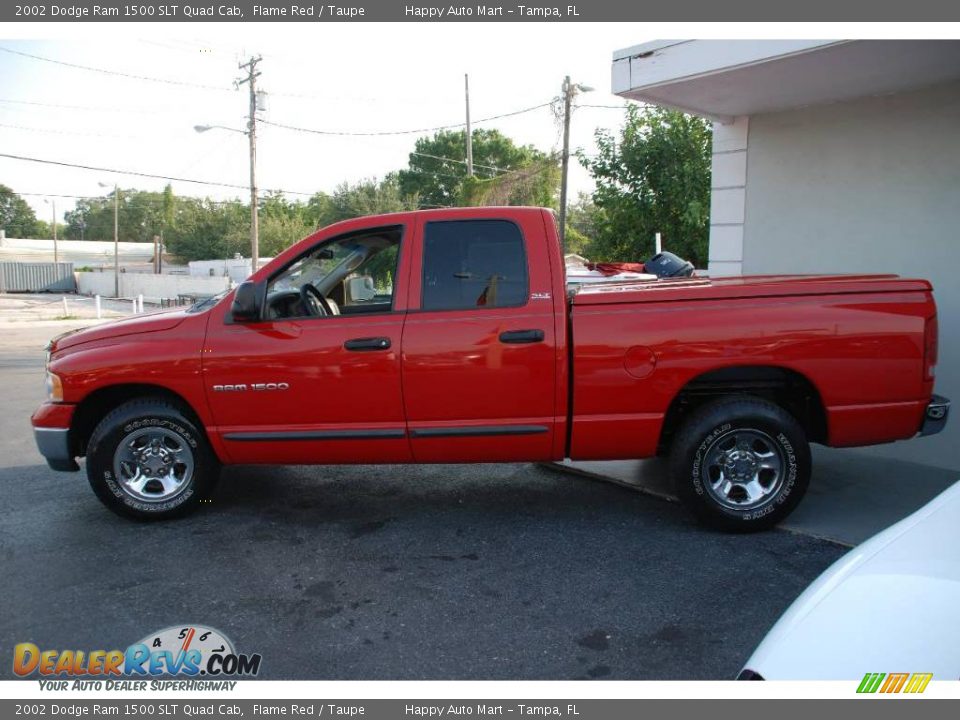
[
  {"x": 251, "y": 80},
  {"x": 53, "y": 205},
  {"x": 466, "y": 90},
  {"x": 565, "y": 163},
  {"x": 116, "y": 241},
  {"x": 569, "y": 90},
  {"x": 56, "y": 256}
]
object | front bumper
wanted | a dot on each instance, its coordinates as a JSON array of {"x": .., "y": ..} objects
[
  {"x": 51, "y": 429},
  {"x": 54, "y": 445},
  {"x": 935, "y": 416}
]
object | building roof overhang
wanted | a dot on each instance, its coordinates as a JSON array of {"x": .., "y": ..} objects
[{"x": 721, "y": 79}]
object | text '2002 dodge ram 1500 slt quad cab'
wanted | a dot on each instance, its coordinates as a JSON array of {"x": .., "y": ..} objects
[{"x": 450, "y": 336}]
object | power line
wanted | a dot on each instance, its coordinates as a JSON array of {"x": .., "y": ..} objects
[
  {"x": 106, "y": 198},
  {"x": 100, "y": 109},
  {"x": 51, "y": 131},
  {"x": 187, "y": 180},
  {"x": 615, "y": 107},
  {"x": 400, "y": 132},
  {"x": 459, "y": 162},
  {"x": 136, "y": 173},
  {"x": 117, "y": 73},
  {"x": 418, "y": 171},
  {"x": 56, "y": 195},
  {"x": 420, "y": 206}
]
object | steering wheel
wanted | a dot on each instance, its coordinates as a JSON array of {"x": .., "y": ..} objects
[{"x": 313, "y": 301}]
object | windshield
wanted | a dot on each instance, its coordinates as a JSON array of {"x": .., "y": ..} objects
[
  {"x": 207, "y": 302},
  {"x": 318, "y": 265}
]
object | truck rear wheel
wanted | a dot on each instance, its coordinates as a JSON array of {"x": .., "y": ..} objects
[
  {"x": 741, "y": 464},
  {"x": 148, "y": 461}
]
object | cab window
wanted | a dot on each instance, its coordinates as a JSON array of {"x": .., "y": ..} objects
[{"x": 473, "y": 264}]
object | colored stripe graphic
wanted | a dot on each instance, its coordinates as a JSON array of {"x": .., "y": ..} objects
[
  {"x": 870, "y": 682},
  {"x": 895, "y": 682},
  {"x": 918, "y": 682}
]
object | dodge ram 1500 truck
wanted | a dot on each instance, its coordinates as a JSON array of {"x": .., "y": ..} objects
[{"x": 450, "y": 336}]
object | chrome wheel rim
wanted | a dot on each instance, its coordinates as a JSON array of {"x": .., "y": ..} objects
[
  {"x": 743, "y": 469},
  {"x": 153, "y": 465}
]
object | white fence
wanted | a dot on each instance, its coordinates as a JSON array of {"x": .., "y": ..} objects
[{"x": 153, "y": 287}]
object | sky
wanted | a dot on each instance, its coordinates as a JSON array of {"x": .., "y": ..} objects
[{"x": 334, "y": 77}]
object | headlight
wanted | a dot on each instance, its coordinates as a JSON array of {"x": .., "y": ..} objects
[{"x": 54, "y": 388}]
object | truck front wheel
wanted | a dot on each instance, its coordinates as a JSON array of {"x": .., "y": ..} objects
[
  {"x": 741, "y": 464},
  {"x": 147, "y": 460}
]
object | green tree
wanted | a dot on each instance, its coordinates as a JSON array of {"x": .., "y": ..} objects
[
  {"x": 536, "y": 183},
  {"x": 45, "y": 230},
  {"x": 17, "y": 218},
  {"x": 654, "y": 177},
  {"x": 367, "y": 197},
  {"x": 140, "y": 216},
  {"x": 505, "y": 173},
  {"x": 282, "y": 223},
  {"x": 582, "y": 216},
  {"x": 168, "y": 208},
  {"x": 206, "y": 230}
]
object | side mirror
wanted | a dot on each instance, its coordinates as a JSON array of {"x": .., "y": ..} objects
[{"x": 246, "y": 305}]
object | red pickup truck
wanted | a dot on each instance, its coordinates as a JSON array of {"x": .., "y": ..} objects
[{"x": 451, "y": 336}]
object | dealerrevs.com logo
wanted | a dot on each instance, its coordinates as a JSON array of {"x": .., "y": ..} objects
[{"x": 189, "y": 651}]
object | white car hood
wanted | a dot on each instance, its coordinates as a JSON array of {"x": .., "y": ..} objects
[{"x": 891, "y": 604}]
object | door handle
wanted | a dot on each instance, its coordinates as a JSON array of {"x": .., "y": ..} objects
[
  {"x": 374, "y": 343},
  {"x": 516, "y": 337}
]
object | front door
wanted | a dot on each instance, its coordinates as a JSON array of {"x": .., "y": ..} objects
[
  {"x": 479, "y": 346},
  {"x": 317, "y": 379}
]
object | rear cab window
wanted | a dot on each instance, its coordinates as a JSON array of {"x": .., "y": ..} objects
[{"x": 473, "y": 265}]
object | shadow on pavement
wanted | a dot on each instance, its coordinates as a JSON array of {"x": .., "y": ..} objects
[{"x": 853, "y": 495}]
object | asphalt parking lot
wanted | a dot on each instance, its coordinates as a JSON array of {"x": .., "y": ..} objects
[{"x": 362, "y": 572}]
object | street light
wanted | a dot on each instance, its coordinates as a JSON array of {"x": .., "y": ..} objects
[
  {"x": 56, "y": 257},
  {"x": 254, "y": 222},
  {"x": 569, "y": 90},
  {"x": 116, "y": 237},
  {"x": 204, "y": 128}
]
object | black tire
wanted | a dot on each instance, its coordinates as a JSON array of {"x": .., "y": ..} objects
[
  {"x": 740, "y": 464},
  {"x": 152, "y": 487}
]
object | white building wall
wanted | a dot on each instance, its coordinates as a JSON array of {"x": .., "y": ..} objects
[
  {"x": 237, "y": 270},
  {"x": 871, "y": 185},
  {"x": 728, "y": 196},
  {"x": 152, "y": 287}
]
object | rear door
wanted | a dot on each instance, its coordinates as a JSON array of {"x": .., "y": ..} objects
[{"x": 478, "y": 353}]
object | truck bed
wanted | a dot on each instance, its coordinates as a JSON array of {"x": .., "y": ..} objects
[{"x": 857, "y": 339}]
